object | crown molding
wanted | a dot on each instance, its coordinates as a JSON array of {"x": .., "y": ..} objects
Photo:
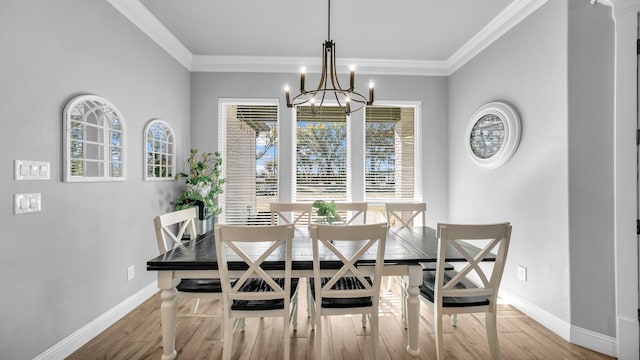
[
  {"x": 140, "y": 16},
  {"x": 511, "y": 16},
  {"x": 202, "y": 63}
]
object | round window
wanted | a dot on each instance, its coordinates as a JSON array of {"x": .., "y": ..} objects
[{"x": 493, "y": 135}]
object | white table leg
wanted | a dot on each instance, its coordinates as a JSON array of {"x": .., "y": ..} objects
[
  {"x": 168, "y": 314},
  {"x": 413, "y": 309}
]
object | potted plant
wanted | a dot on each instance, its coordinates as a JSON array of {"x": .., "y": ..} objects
[
  {"x": 204, "y": 184},
  {"x": 326, "y": 211}
]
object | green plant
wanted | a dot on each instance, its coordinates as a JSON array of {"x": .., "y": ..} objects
[
  {"x": 204, "y": 182},
  {"x": 327, "y": 211}
]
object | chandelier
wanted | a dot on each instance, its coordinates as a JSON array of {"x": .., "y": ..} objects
[{"x": 329, "y": 87}]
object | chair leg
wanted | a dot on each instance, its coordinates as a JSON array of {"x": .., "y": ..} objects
[
  {"x": 437, "y": 319},
  {"x": 318, "y": 338},
  {"x": 285, "y": 336},
  {"x": 227, "y": 338},
  {"x": 403, "y": 295},
  {"x": 364, "y": 320},
  {"x": 294, "y": 313},
  {"x": 374, "y": 334},
  {"x": 194, "y": 305},
  {"x": 492, "y": 334}
]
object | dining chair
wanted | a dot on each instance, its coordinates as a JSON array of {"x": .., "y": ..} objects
[
  {"x": 345, "y": 288},
  {"x": 403, "y": 214},
  {"x": 256, "y": 292},
  {"x": 290, "y": 213},
  {"x": 353, "y": 212},
  {"x": 453, "y": 292},
  {"x": 171, "y": 228}
]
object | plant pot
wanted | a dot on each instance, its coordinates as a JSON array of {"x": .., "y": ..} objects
[{"x": 203, "y": 225}]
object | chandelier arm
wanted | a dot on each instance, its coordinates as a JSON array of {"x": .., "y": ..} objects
[{"x": 349, "y": 96}]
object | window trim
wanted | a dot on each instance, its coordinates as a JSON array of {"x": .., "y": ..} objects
[
  {"x": 417, "y": 159},
  {"x": 145, "y": 137},
  {"x": 222, "y": 139},
  {"x": 67, "y": 142}
]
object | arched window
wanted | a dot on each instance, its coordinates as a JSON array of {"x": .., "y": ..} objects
[
  {"x": 95, "y": 135},
  {"x": 159, "y": 151}
]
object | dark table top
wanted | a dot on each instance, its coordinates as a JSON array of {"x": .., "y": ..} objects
[{"x": 403, "y": 246}]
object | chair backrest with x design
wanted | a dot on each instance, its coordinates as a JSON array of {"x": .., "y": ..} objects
[
  {"x": 348, "y": 244},
  {"x": 493, "y": 240},
  {"x": 168, "y": 234},
  {"x": 240, "y": 242},
  {"x": 353, "y": 212},
  {"x": 404, "y": 214},
  {"x": 290, "y": 213}
]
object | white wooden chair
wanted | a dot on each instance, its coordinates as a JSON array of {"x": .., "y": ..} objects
[
  {"x": 170, "y": 230},
  {"x": 290, "y": 213},
  {"x": 346, "y": 290},
  {"x": 256, "y": 293},
  {"x": 451, "y": 292},
  {"x": 404, "y": 214},
  {"x": 352, "y": 212}
]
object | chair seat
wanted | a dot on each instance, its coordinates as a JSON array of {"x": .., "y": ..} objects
[
  {"x": 428, "y": 284},
  {"x": 345, "y": 283},
  {"x": 431, "y": 266},
  {"x": 200, "y": 286},
  {"x": 259, "y": 285}
]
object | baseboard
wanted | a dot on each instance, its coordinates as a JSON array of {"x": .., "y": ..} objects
[
  {"x": 83, "y": 335},
  {"x": 594, "y": 341},
  {"x": 573, "y": 334},
  {"x": 548, "y": 320}
]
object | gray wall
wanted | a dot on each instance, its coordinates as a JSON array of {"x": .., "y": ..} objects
[
  {"x": 65, "y": 266},
  {"x": 591, "y": 223},
  {"x": 527, "y": 68},
  {"x": 556, "y": 68},
  {"x": 207, "y": 88}
]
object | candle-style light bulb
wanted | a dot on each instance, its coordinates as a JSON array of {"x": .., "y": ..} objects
[
  {"x": 347, "y": 105},
  {"x": 370, "y": 92},
  {"x": 352, "y": 74},
  {"x": 286, "y": 94},
  {"x": 303, "y": 70},
  {"x": 313, "y": 105}
]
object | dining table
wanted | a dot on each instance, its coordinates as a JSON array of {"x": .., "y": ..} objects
[{"x": 407, "y": 250}]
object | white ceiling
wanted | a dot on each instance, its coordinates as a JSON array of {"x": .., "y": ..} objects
[{"x": 432, "y": 35}]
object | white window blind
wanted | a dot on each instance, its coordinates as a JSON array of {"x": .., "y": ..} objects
[
  {"x": 390, "y": 166},
  {"x": 321, "y": 155},
  {"x": 249, "y": 143}
]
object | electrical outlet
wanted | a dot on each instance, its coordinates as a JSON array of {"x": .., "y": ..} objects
[
  {"x": 522, "y": 273},
  {"x": 131, "y": 272}
]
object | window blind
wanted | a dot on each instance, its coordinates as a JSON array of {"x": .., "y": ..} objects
[
  {"x": 321, "y": 154},
  {"x": 389, "y": 153},
  {"x": 250, "y": 162}
]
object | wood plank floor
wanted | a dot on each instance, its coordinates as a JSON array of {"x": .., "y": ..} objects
[{"x": 138, "y": 336}]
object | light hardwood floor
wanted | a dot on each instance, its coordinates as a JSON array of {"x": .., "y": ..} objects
[{"x": 138, "y": 336}]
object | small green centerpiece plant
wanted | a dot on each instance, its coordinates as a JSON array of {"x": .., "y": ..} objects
[
  {"x": 204, "y": 183},
  {"x": 326, "y": 211}
]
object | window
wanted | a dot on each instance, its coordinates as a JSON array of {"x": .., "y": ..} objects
[
  {"x": 321, "y": 155},
  {"x": 94, "y": 140},
  {"x": 160, "y": 151},
  {"x": 249, "y": 144},
  {"x": 390, "y": 153}
]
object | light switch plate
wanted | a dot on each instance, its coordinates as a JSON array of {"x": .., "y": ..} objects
[
  {"x": 27, "y": 203},
  {"x": 31, "y": 170}
]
